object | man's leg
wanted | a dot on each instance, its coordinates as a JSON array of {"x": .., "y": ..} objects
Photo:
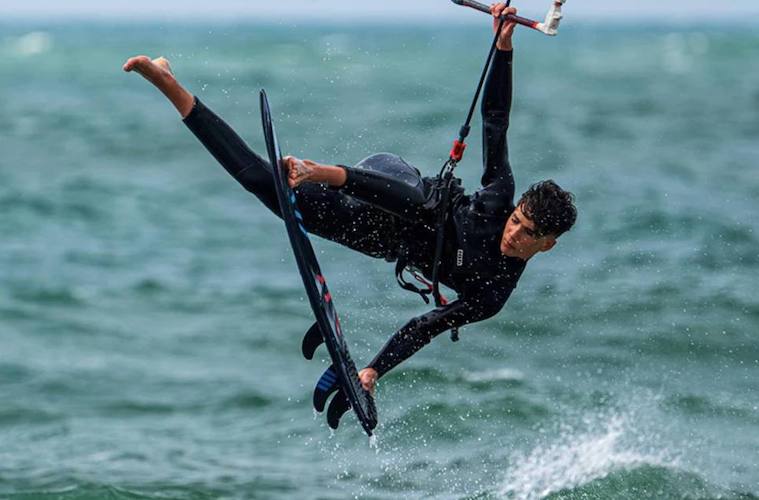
[
  {"x": 158, "y": 72},
  {"x": 248, "y": 168},
  {"x": 327, "y": 212},
  {"x": 340, "y": 218}
]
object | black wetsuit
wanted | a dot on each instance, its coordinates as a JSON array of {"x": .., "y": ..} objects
[{"x": 380, "y": 211}]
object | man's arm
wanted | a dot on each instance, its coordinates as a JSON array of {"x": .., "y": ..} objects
[
  {"x": 421, "y": 330},
  {"x": 496, "y": 107}
]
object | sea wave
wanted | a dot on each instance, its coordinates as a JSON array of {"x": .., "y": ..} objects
[
  {"x": 496, "y": 375},
  {"x": 574, "y": 459}
]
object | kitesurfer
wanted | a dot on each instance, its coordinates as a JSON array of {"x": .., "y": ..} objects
[{"x": 383, "y": 208}]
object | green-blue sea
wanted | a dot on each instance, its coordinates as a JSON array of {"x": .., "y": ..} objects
[{"x": 151, "y": 312}]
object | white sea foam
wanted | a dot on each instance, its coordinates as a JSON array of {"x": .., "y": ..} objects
[
  {"x": 505, "y": 374},
  {"x": 579, "y": 457},
  {"x": 33, "y": 43}
]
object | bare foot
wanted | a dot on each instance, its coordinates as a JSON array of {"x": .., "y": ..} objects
[
  {"x": 299, "y": 171},
  {"x": 158, "y": 72},
  {"x": 368, "y": 378}
]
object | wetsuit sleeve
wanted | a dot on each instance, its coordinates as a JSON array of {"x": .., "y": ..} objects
[
  {"x": 385, "y": 191},
  {"x": 496, "y": 107},
  {"x": 420, "y": 331}
]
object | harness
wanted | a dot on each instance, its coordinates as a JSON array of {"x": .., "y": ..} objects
[{"x": 402, "y": 266}]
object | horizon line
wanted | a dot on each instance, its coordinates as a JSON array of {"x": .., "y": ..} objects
[{"x": 642, "y": 21}]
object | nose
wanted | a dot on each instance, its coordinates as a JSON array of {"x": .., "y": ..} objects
[{"x": 516, "y": 234}]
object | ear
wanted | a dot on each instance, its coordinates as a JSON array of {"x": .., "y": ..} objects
[{"x": 548, "y": 244}]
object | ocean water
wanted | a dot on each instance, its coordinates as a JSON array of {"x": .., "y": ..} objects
[{"x": 151, "y": 313}]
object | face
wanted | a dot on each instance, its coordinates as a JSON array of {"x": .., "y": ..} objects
[{"x": 519, "y": 238}]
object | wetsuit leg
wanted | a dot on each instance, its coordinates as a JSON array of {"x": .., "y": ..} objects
[
  {"x": 327, "y": 212},
  {"x": 386, "y": 181},
  {"x": 248, "y": 168},
  {"x": 348, "y": 221}
]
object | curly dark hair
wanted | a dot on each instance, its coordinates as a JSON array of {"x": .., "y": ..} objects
[{"x": 551, "y": 208}]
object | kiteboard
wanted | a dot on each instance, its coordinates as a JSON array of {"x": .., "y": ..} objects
[{"x": 341, "y": 378}]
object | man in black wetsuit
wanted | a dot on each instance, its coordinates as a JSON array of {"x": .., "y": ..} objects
[{"x": 378, "y": 207}]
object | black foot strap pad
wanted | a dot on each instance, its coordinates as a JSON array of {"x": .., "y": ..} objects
[
  {"x": 337, "y": 409},
  {"x": 312, "y": 341},
  {"x": 324, "y": 388}
]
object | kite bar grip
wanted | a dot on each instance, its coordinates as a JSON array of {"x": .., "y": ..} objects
[{"x": 550, "y": 27}]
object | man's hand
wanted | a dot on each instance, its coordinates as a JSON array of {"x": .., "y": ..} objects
[
  {"x": 504, "y": 39},
  {"x": 368, "y": 378}
]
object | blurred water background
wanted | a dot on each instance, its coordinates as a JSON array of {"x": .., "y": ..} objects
[{"x": 151, "y": 313}]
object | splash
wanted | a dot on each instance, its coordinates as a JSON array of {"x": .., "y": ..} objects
[
  {"x": 578, "y": 458},
  {"x": 374, "y": 443}
]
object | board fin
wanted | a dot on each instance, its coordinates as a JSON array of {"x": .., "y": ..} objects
[
  {"x": 325, "y": 387},
  {"x": 337, "y": 409},
  {"x": 311, "y": 341}
]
